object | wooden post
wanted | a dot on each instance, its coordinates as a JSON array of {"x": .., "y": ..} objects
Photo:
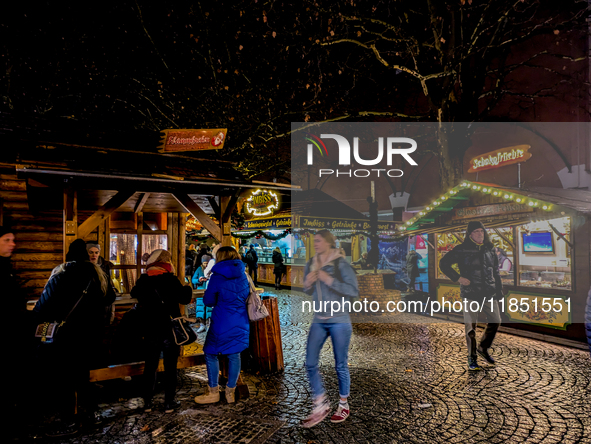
[
  {"x": 70, "y": 218},
  {"x": 192, "y": 207},
  {"x": 225, "y": 227}
]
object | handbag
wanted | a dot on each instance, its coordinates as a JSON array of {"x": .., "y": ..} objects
[
  {"x": 254, "y": 305},
  {"x": 47, "y": 331},
  {"x": 181, "y": 329}
]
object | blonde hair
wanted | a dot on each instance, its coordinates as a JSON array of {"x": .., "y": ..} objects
[
  {"x": 328, "y": 237},
  {"x": 102, "y": 277},
  {"x": 226, "y": 254}
]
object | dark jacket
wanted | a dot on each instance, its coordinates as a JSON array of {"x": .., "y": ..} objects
[
  {"x": 61, "y": 293},
  {"x": 158, "y": 299},
  {"x": 412, "y": 264},
  {"x": 18, "y": 320},
  {"x": 227, "y": 293},
  {"x": 588, "y": 319},
  {"x": 251, "y": 258},
  {"x": 279, "y": 267},
  {"x": 478, "y": 264}
]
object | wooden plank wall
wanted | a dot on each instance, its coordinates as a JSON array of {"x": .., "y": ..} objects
[{"x": 38, "y": 235}]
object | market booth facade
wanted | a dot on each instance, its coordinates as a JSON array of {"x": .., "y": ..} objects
[
  {"x": 126, "y": 200},
  {"x": 542, "y": 236}
]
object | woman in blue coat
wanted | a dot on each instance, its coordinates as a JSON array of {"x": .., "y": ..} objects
[{"x": 228, "y": 333}]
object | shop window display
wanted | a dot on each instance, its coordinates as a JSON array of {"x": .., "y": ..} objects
[
  {"x": 544, "y": 254},
  {"x": 445, "y": 243},
  {"x": 502, "y": 238}
]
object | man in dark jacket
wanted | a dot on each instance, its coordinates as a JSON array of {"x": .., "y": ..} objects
[
  {"x": 412, "y": 267},
  {"x": 252, "y": 260},
  {"x": 479, "y": 281}
]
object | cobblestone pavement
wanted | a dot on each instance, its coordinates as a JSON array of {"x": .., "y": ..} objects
[{"x": 537, "y": 393}]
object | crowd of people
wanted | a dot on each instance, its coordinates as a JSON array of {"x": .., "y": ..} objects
[{"x": 80, "y": 291}]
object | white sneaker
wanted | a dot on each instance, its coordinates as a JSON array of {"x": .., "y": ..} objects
[
  {"x": 319, "y": 412},
  {"x": 201, "y": 328}
]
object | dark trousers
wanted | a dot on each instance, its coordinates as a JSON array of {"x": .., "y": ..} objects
[
  {"x": 278, "y": 280},
  {"x": 171, "y": 353},
  {"x": 411, "y": 285},
  {"x": 252, "y": 271}
]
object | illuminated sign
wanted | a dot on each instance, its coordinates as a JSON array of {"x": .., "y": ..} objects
[
  {"x": 262, "y": 203},
  {"x": 175, "y": 140},
  {"x": 500, "y": 158}
]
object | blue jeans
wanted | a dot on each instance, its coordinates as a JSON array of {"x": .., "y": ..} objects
[
  {"x": 340, "y": 334},
  {"x": 213, "y": 369}
]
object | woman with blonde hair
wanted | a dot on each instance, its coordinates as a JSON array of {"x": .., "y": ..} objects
[
  {"x": 227, "y": 292},
  {"x": 328, "y": 277},
  {"x": 79, "y": 291}
]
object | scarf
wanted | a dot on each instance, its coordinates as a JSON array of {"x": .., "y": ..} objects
[{"x": 157, "y": 268}]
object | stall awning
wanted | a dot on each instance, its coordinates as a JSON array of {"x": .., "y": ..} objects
[{"x": 539, "y": 203}]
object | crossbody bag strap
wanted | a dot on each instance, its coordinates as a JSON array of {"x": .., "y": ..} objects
[{"x": 78, "y": 301}]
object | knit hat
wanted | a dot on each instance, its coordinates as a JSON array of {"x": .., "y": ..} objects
[
  {"x": 90, "y": 245},
  {"x": 77, "y": 252},
  {"x": 474, "y": 225},
  {"x": 5, "y": 230},
  {"x": 205, "y": 258},
  {"x": 160, "y": 256}
]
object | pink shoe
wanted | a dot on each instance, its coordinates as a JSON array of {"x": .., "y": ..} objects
[
  {"x": 340, "y": 415},
  {"x": 320, "y": 411}
]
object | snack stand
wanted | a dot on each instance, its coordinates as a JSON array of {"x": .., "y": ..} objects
[{"x": 544, "y": 234}]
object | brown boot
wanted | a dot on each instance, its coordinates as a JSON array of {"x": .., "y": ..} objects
[
  {"x": 211, "y": 396},
  {"x": 230, "y": 394}
]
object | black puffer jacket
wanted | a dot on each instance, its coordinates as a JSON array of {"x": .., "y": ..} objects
[
  {"x": 478, "y": 264},
  {"x": 61, "y": 293},
  {"x": 158, "y": 299},
  {"x": 278, "y": 268}
]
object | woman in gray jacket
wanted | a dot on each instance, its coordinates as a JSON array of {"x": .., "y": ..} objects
[{"x": 328, "y": 277}]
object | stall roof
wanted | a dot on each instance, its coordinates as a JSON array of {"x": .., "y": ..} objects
[
  {"x": 317, "y": 203},
  {"x": 545, "y": 199}
]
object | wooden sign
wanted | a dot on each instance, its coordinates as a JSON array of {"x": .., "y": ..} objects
[
  {"x": 175, "y": 140},
  {"x": 500, "y": 158},
  {"x": 491, "y": 210}
]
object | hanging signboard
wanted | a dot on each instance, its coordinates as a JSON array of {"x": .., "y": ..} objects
[
  {"x": 175, "y": 140},
  {"x": 491, "y": 210},
  {"x": 279, "y": 223},
  {"x": 262, "y": 203},
  {"x": 500, "y": 158},
  {"x": 320, "y": 223}
]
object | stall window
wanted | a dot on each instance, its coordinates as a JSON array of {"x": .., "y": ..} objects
[
  {"x": 123, "y": 254},
  {"x": 502, "y": 239},
  {"x": 446, "y": 242},
  {"x": 544, "y": 254}
]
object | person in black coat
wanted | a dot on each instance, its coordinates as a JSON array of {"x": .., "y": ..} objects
[
  {"x": 252, "y": 261},
  {"x": 412, "y": 267},
  {"x": 278, "y": 268},
  {"x": 159, "y": 293},
  {"x": 79, "y": 291},
  {"x": 480, "y": 282}
]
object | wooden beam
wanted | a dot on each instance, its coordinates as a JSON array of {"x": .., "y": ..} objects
[
  {"x": 141, "y": 202},
  {"x": 502, "y": 236},
  {"x": 104, "y": 212},
  {"x": 231, "y": 204},
  {"x": 70, "y": 219},
  {"x": 199, "y": 214},
  {"x": 214, "y": 206}
]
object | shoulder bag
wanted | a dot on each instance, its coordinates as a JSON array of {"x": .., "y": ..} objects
[
  {"x": 47, "y": 331},
  {"x": 181, "y": 329},
  {"x": 254, "y": 305}
]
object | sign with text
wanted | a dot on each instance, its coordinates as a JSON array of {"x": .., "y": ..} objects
[
  {"x": 491, "y": 210},
  {"x": 176, "y": 140},
  {"x": 500, "y": 158},
  {"x": 278, "y": 223},
  {"x": 319, "y": 223},
  {"x": 262, "y": 203}
]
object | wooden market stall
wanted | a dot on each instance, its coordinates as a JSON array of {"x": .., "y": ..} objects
[
  {"x": 545, "y": 235},
  {"x": 116, "y": 190}
]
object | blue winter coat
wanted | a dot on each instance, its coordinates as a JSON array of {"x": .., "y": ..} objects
[
  {"x": 227, "y": 293},
  {"x": 588, "y": 319},
  {"x": 199, "y": 274}
]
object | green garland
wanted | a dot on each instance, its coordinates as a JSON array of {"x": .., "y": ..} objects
[{"x": 259, "y": 234}]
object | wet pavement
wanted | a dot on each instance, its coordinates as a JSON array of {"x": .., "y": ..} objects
[{"x": 409, "y": 384}]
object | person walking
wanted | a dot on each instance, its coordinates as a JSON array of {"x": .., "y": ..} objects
[
  {"x": 79, "y": 291},
  {"x": 228, "y": 333},
  {"x": 480, "y": 281},
  {"x": 412, "y": 267},
  {"x": 252, "y": 261},
  {"x": 159, "y": 293},
  {"x": 328, "y": 277},
  {"x": 278, "y": 268},
  {"x": 200, "y": 281}
]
